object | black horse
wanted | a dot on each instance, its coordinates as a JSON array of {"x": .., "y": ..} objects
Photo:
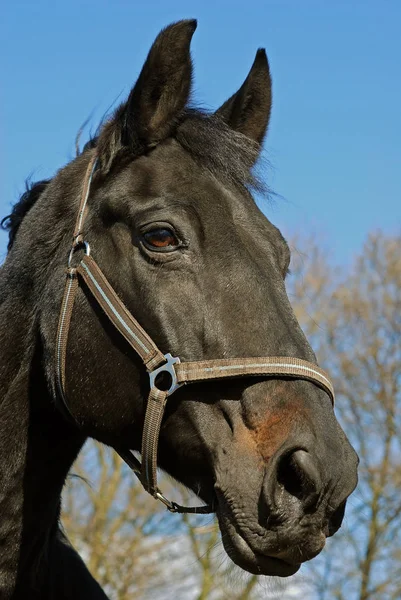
[{"x": 173, "y": 226}]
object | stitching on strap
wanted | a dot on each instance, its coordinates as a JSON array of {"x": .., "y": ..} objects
[{"x": 116, "y": 314}]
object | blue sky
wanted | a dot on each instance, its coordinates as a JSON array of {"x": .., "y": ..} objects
[{"x": 334, "y": 141}]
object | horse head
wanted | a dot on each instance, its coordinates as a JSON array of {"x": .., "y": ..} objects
[{"x": 173, "y": 225}]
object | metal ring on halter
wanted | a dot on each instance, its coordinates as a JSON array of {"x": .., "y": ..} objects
[
  {"x": 166, "y": 368},
  {"x": 76, "y": 247}
]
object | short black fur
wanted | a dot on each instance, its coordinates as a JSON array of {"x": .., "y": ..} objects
[{"x": 220, "y": 293}]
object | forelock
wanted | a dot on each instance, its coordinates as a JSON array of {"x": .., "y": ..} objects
[{"x": 226, "y": 153}]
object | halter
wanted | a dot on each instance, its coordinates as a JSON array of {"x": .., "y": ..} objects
[{"x": 156, "y": 363}]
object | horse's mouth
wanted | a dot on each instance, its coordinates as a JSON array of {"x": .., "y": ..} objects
[
  {"x": 242, "y": 555},
  {"x": 262, "y": 558}
]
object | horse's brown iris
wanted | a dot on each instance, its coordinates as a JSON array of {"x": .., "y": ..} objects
[{"x": 160, "y": 238}]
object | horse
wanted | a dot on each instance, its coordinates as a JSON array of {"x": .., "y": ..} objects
[{"x": 174, "y": 270}]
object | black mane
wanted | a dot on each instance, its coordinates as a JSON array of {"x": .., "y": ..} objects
[{"x": 12, "y": 221}]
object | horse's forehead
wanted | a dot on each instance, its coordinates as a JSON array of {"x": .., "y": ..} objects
[{"x": 168, "y": 168}]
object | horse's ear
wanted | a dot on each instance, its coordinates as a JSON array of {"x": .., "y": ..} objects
[
  {"x": 159, "y": 96},
  {"x": 248, "y": 110}
]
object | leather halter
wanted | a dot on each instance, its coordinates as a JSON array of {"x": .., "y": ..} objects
[{"x": 156, "y": 363}]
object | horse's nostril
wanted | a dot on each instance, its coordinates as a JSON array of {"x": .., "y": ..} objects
[{"x": 299, "y": 476}]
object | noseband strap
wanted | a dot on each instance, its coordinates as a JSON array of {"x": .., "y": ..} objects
[{"x": 166, "y": 373}]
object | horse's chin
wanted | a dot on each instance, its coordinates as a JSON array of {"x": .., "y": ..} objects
[
  {"x": 266, "y": 555},
  {"x": 243, "y": 556}
]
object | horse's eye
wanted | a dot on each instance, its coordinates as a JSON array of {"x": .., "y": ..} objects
[{"x": 161, "y": 238}]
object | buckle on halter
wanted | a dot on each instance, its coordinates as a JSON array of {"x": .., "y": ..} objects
[
  {"x": 78, "y": 246},
  {"x": 168, "y": 367},
  {"x": 171, "y": 506}
]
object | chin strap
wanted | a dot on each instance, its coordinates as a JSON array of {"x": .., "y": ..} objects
[{"x": 166, "y": 373}]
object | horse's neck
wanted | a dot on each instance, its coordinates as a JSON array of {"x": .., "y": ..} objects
[{"x": 37, "y": 448}]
